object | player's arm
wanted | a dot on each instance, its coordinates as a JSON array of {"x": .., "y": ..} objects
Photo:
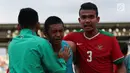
[
  {"x": 121, "y": 68},
  {"x": 117, "y": 56},
  {"x": 69, "y": 38},
  {"x": 76, "y": 68},
  {"x": 73, "y": 47},
  {"x": 50, "y": 60}
]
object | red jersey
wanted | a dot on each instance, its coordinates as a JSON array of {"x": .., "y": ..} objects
[{"x": 96, "y": 54}]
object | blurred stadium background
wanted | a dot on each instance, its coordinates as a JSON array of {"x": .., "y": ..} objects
[
  {"x": 8, "y": 31},
  {"x": 114, "y": 19}
]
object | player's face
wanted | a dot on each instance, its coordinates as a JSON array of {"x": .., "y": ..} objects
[
  {"x": 56, "y": 33},
  {"x": 88, "y": 20}
]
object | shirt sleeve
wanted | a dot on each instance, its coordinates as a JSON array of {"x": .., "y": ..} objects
[
  {"x": 50, "y": 59},
  {"x": 117, "y": 55}
]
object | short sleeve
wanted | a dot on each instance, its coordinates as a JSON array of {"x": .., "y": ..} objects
[{"x": 117, "y": 55}]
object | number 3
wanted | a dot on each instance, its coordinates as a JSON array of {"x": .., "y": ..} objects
[{"x": 90, "y": 56}]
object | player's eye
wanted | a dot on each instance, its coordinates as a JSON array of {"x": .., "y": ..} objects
[
  {"x": 91, "y": 16},
  {"x": 87, "y": 16},
  {"x": 83, "y": 17},
  {"x": 54, "y": 31}
]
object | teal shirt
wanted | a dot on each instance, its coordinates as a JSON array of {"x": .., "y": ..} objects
[
  {"x": 69, "y": 68},
  {"x": 67, "y": 65},
  {"x": 127, "y": 63},
  {"x": 29, "y": 53}
]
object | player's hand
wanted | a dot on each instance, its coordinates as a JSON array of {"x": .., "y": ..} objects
[{"x": 65, "y": 54}]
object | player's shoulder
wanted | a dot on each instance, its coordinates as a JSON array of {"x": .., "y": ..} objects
[
  {"x": 64, "y": 43},
  {"x": 73, "y": 33},
  {"x": 39, "y": 39},
  {"x": 106, "y": 33}
]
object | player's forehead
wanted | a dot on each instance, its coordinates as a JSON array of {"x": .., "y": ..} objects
[
  {"x": 87, "y": 12},
  {"x": 56, "y": 26}
]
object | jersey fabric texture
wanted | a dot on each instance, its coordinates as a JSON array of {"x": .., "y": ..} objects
[
  {"x": 96, "y": 54},
  {"x": 29, "y": 53}
]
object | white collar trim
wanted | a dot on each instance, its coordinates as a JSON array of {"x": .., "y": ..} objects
[{"x": 91, "y": 37}]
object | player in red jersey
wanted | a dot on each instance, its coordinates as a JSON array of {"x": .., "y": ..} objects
[{"x": 96, "y": 50}]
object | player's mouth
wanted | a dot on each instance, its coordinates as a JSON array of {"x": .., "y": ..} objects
[
  {"x": 58, "y": 39},
  {"x": 88, "y": 27}
]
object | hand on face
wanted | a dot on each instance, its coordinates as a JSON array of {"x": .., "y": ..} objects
[{"x": 65, "y": 54}]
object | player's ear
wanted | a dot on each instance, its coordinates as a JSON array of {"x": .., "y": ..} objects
[
  {"x": 79, "y": 20},
  {"x": 37, "y": 25},
  {"x": 18, "y": 27},
  {"x": 98, "y": 19},
  {"x": 45, "y": 34}
]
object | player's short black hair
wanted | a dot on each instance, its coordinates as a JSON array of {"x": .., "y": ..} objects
[
  {"x": 88, "y": 6},
  {"x": 50, "y": 21},
  {"x": 27, "y": 18},
  {"x": 124, "y": 47}
]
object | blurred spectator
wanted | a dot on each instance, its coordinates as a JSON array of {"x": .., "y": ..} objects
[
  {"x": 124, "y": 50},
  {"x": 3, "y": 65}
]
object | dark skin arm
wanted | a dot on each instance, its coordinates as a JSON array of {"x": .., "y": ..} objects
[
  {"x": 121, "y": 68},
  {"x": 73, "y": 47}
]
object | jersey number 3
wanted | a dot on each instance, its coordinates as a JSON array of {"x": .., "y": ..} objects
[{"x": 89, "y": 53}]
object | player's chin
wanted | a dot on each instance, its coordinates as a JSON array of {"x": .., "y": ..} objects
[
  {"x": 58, "y": 41},
  {"x": 88, "y": 29}
]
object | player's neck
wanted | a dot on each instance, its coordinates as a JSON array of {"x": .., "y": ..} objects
[
  {"x": 33, "y": 29},
  {"x": 91, "y": 33},
  {"x": 56, "y": 47}
]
